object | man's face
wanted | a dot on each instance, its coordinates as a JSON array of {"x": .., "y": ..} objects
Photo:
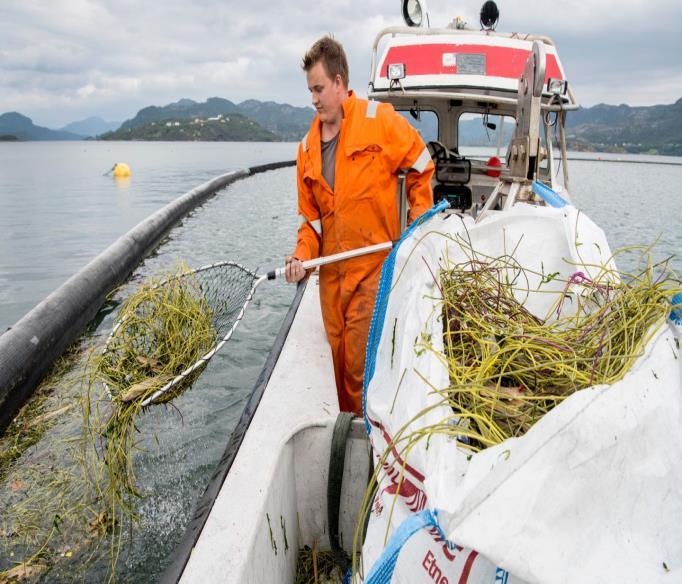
[{"x": 327, "y": 94}]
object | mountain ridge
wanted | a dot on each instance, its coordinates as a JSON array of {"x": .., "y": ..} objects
[
  {"x": 23, "y": 128},
  {"x": 90, "y": 127},
  {"x": 653, "y": 129}
]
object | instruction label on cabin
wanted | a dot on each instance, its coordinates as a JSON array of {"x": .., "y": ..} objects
[{"x": 466, "y": 63}]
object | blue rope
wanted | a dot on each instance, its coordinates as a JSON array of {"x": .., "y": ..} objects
[
  {"x": 382, "y": 570},
  {"x": 378, "y": 316}
]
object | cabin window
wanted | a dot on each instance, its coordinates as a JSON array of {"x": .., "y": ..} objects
[
  {"x": 481, "y": 135},
  {"x": 426, "y": 125}
]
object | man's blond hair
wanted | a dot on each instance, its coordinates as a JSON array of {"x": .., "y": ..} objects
[{"x": 332, "y": 56}]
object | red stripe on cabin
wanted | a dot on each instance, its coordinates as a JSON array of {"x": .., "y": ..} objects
[{"x": 499, "y": 61}]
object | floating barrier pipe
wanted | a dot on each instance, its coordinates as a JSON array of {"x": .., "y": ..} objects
[{"x": 28, "y": 349}]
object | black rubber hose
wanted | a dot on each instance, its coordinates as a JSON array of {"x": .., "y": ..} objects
[{"x": 337, "y": 460}]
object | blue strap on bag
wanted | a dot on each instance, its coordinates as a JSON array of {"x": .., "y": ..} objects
[
  {"x": 676, "y": 311},
  {"x": 377, "y": 323},
  {"x": 382, "y": 570}
]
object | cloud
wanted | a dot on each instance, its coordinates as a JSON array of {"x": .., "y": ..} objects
[{"x": 67, "y": 59}]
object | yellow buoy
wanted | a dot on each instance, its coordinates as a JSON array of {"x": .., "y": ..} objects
[{"x": 121, "y": 170}]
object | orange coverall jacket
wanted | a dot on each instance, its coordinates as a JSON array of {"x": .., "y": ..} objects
[{"x": 375, "y": 144}]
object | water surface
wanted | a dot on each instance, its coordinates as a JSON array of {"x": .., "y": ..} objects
[{"x": 58, "y": 210}]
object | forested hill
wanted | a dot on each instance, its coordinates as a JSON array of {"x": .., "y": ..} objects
[
  {"x": 653, "y": 129},
  {"x": 220, "y": 128},
  {"x": 286, "y": 121}
]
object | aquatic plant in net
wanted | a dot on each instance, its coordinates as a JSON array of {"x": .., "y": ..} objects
[
  {"x": 170, "y": 326},
  {"x": 162, "y": 329}
]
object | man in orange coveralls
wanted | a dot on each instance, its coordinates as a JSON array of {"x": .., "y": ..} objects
[{"x": 348, "y": 165}]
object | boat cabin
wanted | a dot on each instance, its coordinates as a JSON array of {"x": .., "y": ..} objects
[{"x": 465, "y": 91}]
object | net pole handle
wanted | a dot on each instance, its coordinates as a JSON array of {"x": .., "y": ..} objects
[{"x": 337, "y": 257}]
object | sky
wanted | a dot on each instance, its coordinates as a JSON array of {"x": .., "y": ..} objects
[{"x": 65, "y": 60}]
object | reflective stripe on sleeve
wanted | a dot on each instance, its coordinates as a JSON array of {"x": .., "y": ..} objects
[
  {"x": 316, "y": 224},
  {"x": 372, "y": 109},
  {"x": 423, "y": 160}
]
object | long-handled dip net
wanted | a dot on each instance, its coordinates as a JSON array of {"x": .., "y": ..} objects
[
  {"x": 165, "y": 334},
  {"x": 169, "y": 329}
]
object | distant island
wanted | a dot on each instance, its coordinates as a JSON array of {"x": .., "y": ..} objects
[
  {"x": 220, "y": 128},
  {"x": 605, "y": 128},
  {"x": 186, "y": 119},
  {"x": 217, "y": 119}
]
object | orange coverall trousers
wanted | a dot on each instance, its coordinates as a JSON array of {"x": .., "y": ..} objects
[
  {"x": 375, "y": 143},
  {"x": 347, "y": 294}
]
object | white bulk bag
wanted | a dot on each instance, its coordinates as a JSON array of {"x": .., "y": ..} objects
[{"x": 592, "y": 493}]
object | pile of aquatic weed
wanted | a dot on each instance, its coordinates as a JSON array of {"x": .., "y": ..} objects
[{"x": 508, "y": 368}]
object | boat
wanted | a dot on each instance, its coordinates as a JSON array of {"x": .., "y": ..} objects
[{"x": 295, "y": 470}]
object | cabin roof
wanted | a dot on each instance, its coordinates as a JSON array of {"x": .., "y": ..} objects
[{"x": 451, "y": 61}]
